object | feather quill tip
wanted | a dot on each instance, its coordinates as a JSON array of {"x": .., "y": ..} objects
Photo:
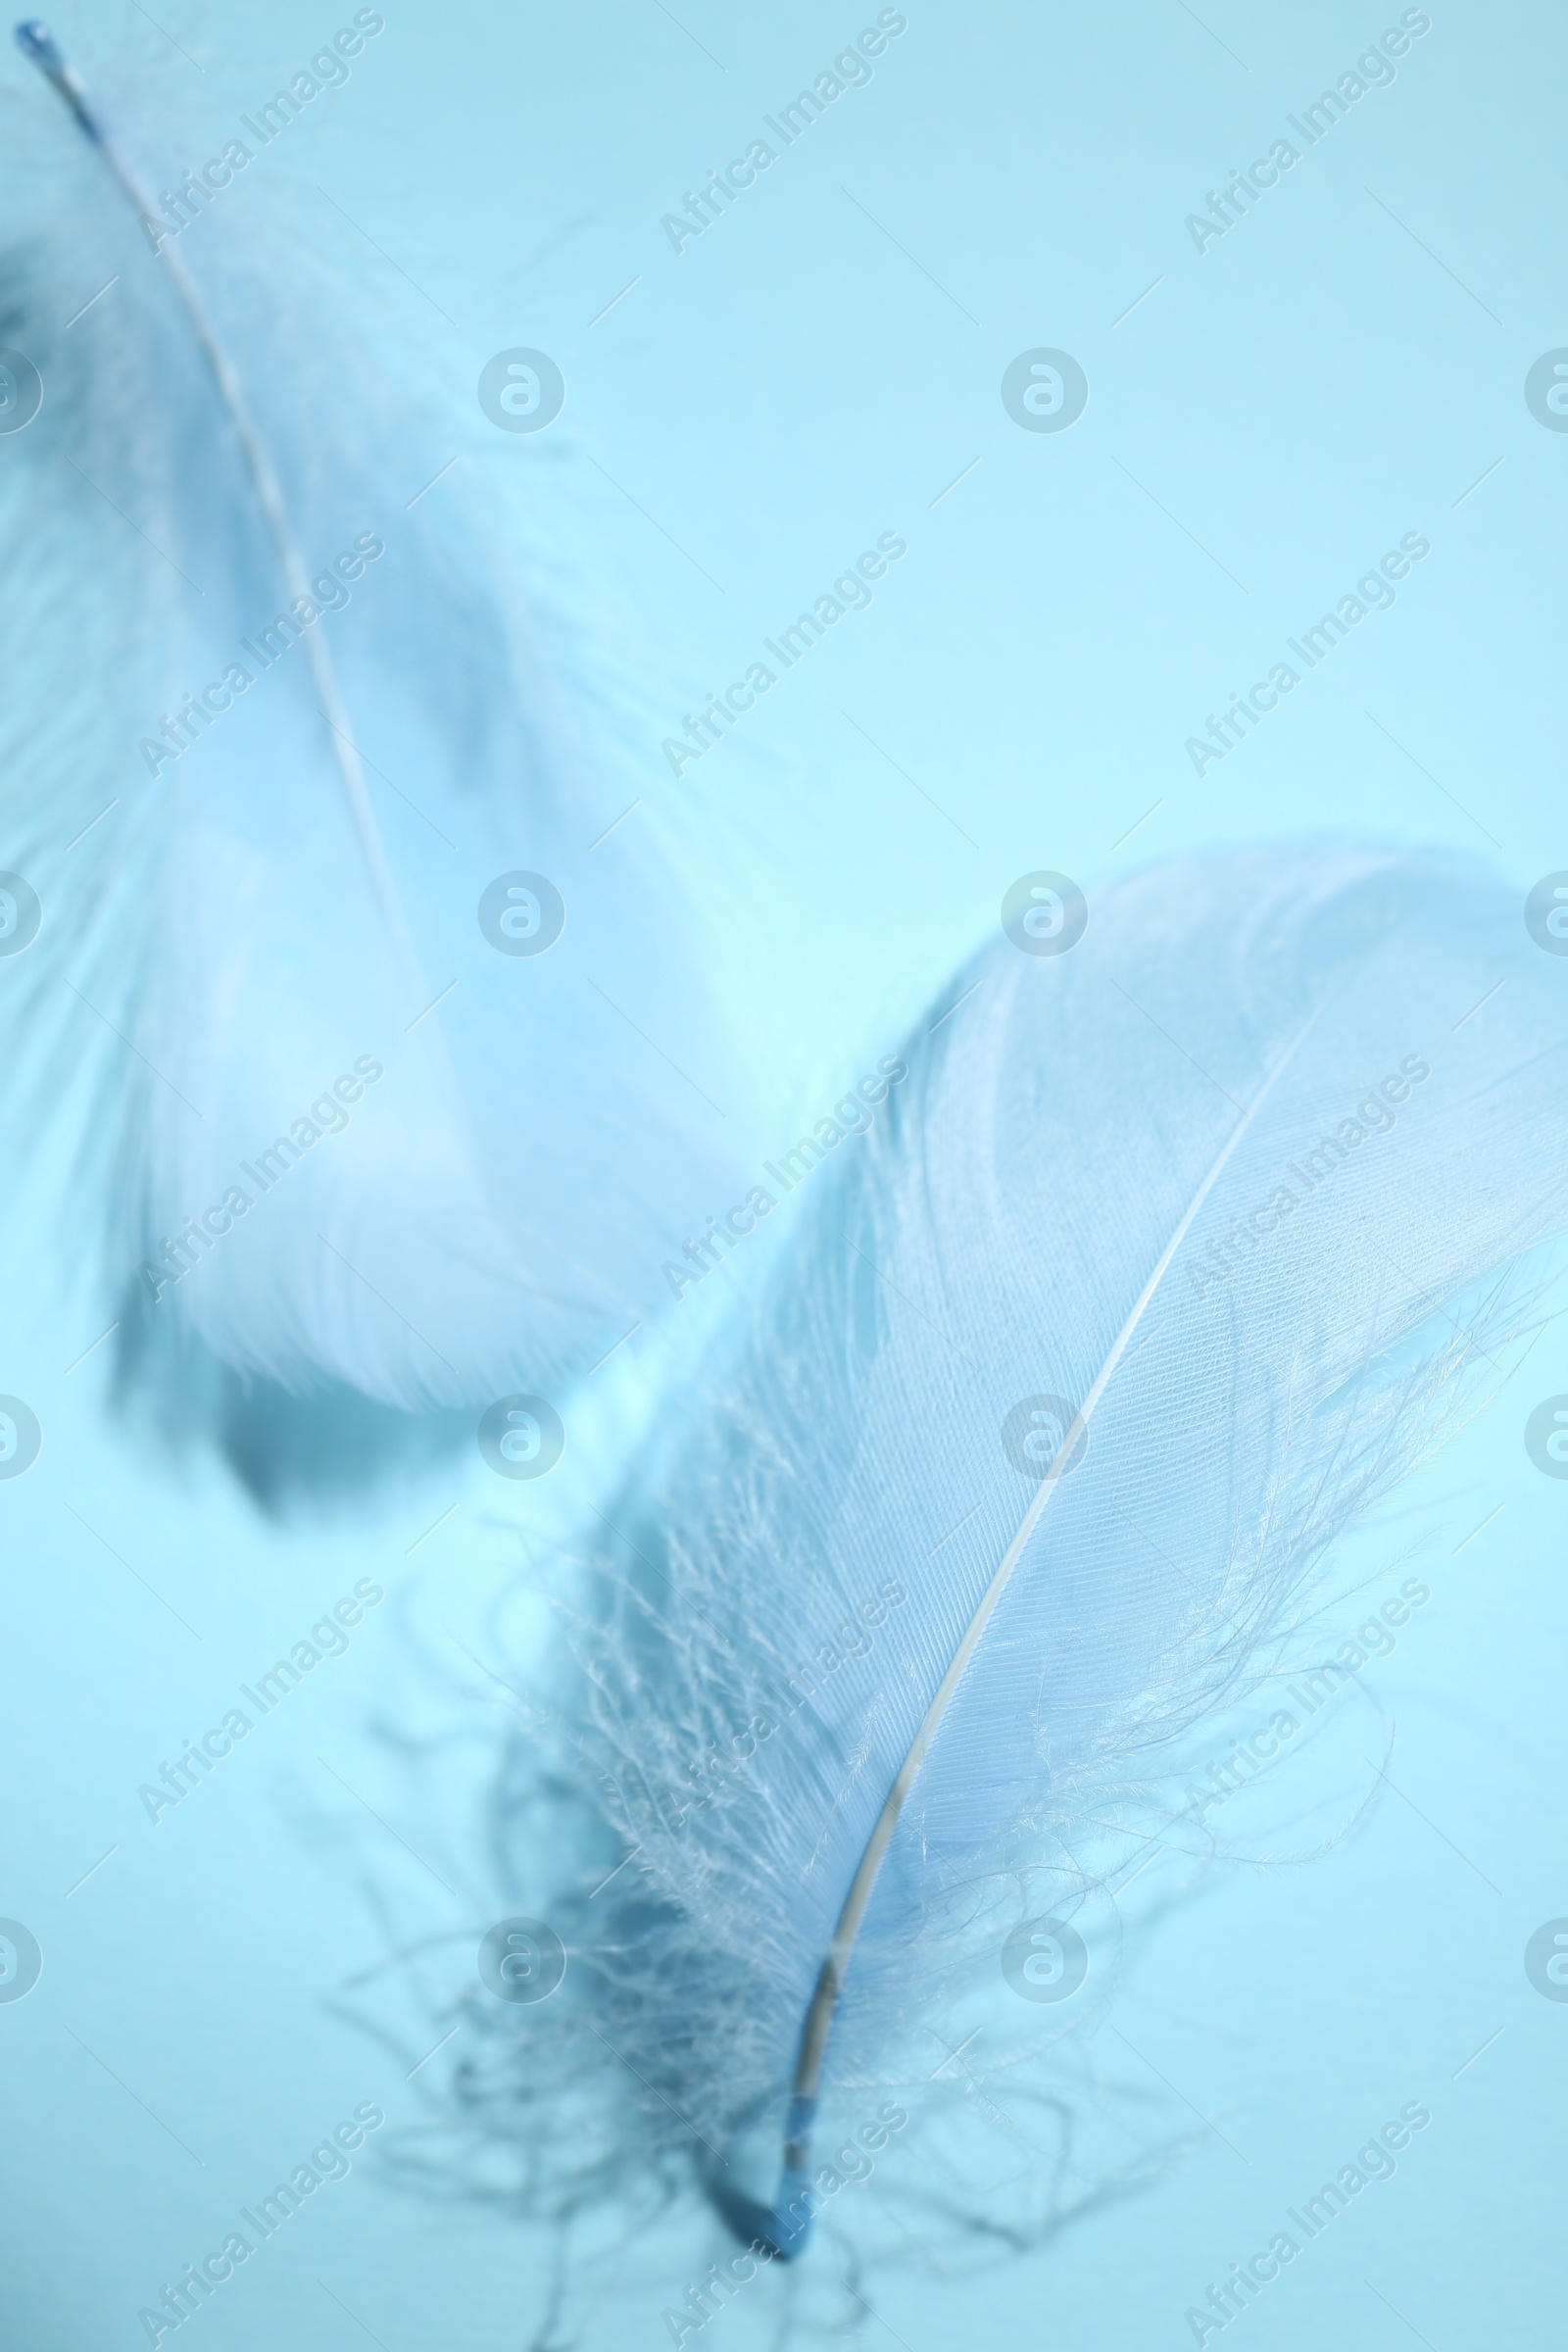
[
  {"x": 35, "y": 40},
  {"x": 779, "y": 2231}
]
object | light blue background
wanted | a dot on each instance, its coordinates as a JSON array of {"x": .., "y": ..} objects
[{"x": 1318, "y": 382}]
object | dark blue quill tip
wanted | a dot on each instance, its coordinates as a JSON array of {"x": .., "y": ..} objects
[
  {"x": 780, "y": 2229},
  {"x": 35, "y": 40}
]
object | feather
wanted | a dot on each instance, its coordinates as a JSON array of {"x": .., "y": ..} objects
[
  {"x": 399, "y": 1124},
  {"x": 1173, "y": 1255}
]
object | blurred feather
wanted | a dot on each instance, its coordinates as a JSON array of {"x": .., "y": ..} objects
[
  {"x": 291, "y": 899},
  {"x": 1174, "y": 1253}
]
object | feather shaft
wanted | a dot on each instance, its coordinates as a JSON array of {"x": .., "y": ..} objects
[
  {"x": 824, "y": 2000},
  {"x": 36, "y": 41}
]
